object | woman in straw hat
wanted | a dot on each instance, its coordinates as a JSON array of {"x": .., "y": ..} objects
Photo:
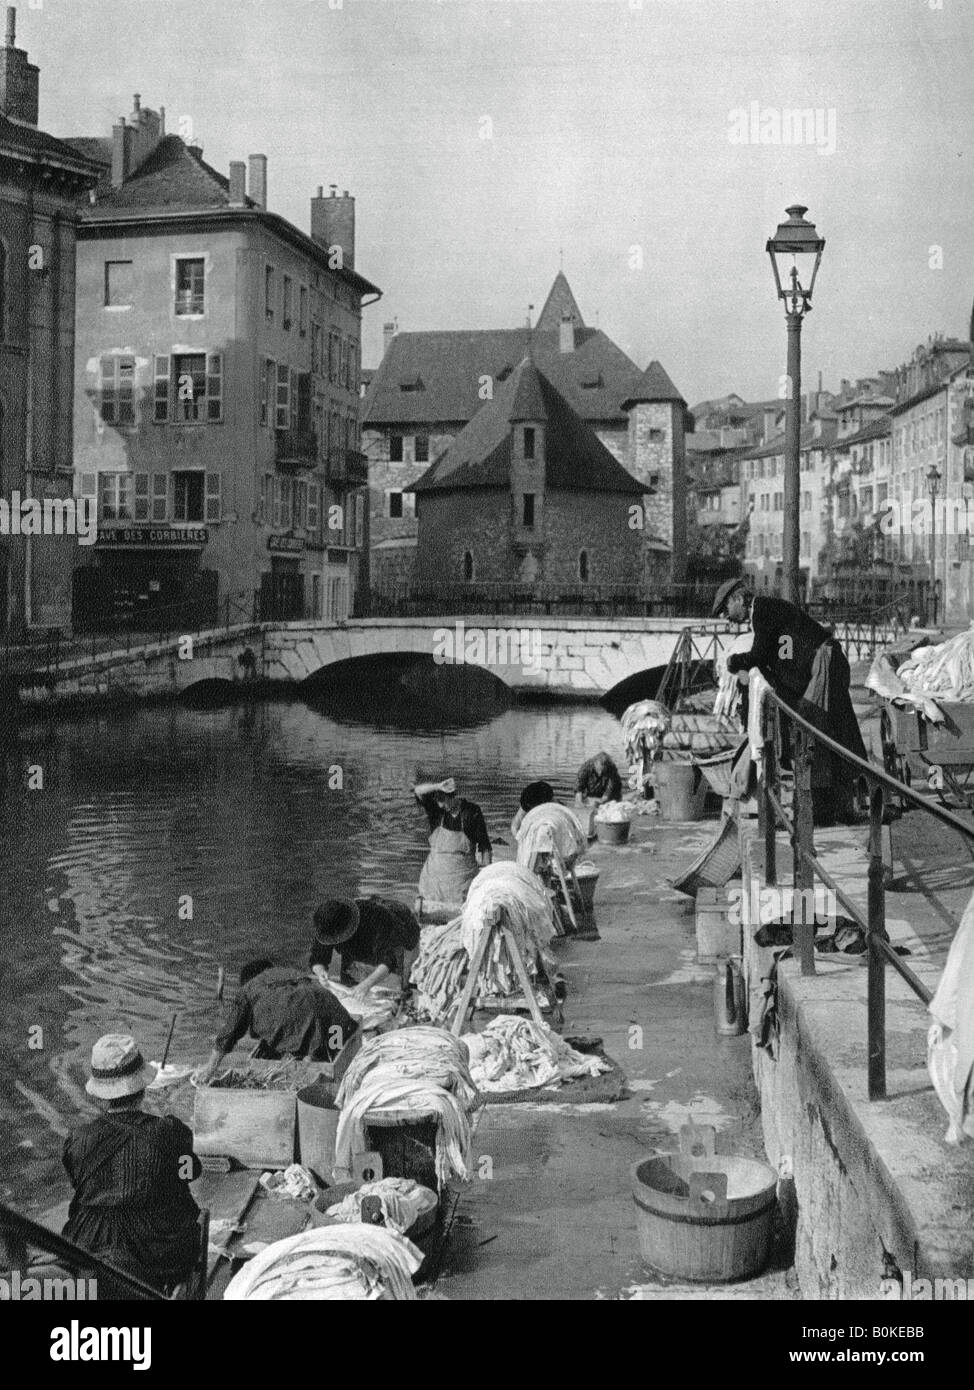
[{"x": 131, "y": 1173}]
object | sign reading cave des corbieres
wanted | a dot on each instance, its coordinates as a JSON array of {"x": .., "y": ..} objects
[{"x": 154, "y": 535}]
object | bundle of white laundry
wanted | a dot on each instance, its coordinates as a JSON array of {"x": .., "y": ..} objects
[
  {"x": 403, "y": 1202},
  {"x": 501, "y": 892},
  {"x": 356, "y": 1263},
  {"x": 950, "y": 1039},
  {"x": 423, "y": 1071},
  {"x": 514, "y": 1054},
  {"x": 547, "y": 829}
]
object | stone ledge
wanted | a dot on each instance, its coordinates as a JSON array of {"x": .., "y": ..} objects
[{"x": 870, "y": 1177}]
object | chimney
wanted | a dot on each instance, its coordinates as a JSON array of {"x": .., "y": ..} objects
[
  {"x": 566, "y": 334},
  {"x": 19, "y": 79},
  {"x": 238, "y": 183},
  {"x": 162, "y": 122},
  {"x": 120, "y": 152},
  {"x": 258, "y": 179},
  {"x": 388, "y": 333},
  {"x": 770, "y": 414},
  {"x": 333, "y": 225}
]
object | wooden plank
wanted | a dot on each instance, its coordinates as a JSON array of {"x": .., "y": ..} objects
[{"x": 225, "y": 1195}]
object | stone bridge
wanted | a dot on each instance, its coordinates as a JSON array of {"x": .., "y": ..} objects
[{"x": 578, "y": 658}]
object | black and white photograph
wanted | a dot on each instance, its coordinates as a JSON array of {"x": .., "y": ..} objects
[{"x": 486, "y": 673}]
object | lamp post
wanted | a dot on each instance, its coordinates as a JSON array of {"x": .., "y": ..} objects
[
  {"x": 933, "y": 487},
  {"x": 796, "y": 252}
]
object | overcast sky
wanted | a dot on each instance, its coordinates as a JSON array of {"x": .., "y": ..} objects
[{"x": 609, "y": 129}]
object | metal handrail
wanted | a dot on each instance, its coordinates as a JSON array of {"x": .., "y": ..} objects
[{"x": 806, "y": 865}]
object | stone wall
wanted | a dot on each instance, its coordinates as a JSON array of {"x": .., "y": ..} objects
[{"x": 656, "y": 452}]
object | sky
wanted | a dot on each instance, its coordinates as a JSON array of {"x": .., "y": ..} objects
[{"x": 488, "y": 142}]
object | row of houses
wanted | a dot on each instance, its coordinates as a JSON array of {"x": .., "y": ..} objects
[
  {"x": 185, "y": 361},
  {"x": 887, "y": 472}
]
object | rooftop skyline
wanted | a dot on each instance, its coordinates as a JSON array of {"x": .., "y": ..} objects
[{"x": 490, "y": 141}]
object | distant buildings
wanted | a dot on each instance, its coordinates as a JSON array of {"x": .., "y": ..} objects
[
  {"x": 528, "y": 496},
  {"x": 216, "y": 391},
  {"x": 430, "y": 385},
  {"x": 41, "y": 181}
]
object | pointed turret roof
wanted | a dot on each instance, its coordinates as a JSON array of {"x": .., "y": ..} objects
[
  {"x": 653, "y": 385},
  {"x": 576, "y": 460},
  {"x": 560, "y": 304}
]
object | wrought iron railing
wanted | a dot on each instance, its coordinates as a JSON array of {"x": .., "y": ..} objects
[
  {"x": 806, "y": 866},
  {"x": 542, "y": 600}
]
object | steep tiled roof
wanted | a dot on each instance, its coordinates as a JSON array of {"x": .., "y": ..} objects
[
  {"x": 653, "y": 385},
  {"x": 172, "y": 177},
  {"x": 594, "y": 379},
  {"x": 575, "y": 458},
  {"x": 24, "y": 140},
  {"x": 809, "y": 440},
  {"x": 560, "y": 304}
]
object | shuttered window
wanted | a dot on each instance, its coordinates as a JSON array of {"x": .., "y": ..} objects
[
  {"x": 214, "y": 387},
  {"x": 282, "y": 408},
  {"x": 142, "y": 496},
  {"x": 160, "y": 496}
]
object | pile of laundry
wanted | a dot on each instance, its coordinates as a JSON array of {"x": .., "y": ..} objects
[
  {"x": 422, "y": 1071},
  {"x": 357, "y": 1263},
  {"x": 371, "y": 1012},
  {"x": 548, "y": 829},
  {"x": 504, "y": 891},
  {"x": 950, "y": 1040},
  {"x": 944, "y": 672},
  {"x": 613, "y": 812},
  {"x": 294, "y": 1183},
  {"x": 514, "y": 1054},
  {"x": 403, "y": 1202},
  {"x": 643, "y": 727}
]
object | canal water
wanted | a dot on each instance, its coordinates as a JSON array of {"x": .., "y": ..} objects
[{"x": 243, "y": 816}]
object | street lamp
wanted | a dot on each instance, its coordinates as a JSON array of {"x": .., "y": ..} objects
[
  {"x": 933, "y": 486},
  {"x": 796, "y": 252}
]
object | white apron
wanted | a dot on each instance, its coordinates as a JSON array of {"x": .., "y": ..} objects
[{"x": 450, "y": 868}]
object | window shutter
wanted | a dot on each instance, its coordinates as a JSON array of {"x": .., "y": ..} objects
[
  {"x": 214, "y": 387},
  {"x": 160, "y": 413},
  {"x": 276, "y": 520},
  {"x": 282, "y": 410},
  {"x": 141, "y": 497},
  {"x": 314, "y": 495},
  {"x": 160, "y": 496},
  {"x": 293, "y": 394},
  {"x": 214, "y": 499},
  {"x": 86, "y": 484},
  {"x": 359, "y": 521},
  {"x": 108, "y": 411}
]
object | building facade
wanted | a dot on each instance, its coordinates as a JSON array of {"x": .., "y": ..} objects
[
  {"x": 527, "y": 498},
  {"x": 216, "y": 392},
  {"x": 430, "y": 385},
  {"x": 41, "y": 182}
]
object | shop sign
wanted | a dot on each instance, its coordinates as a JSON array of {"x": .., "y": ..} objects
[
  {"x": 154, "y": 536},
  {"x": 290, "y": 545}
]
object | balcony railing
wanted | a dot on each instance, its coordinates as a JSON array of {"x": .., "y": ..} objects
[{"x": 295, "y": 448}]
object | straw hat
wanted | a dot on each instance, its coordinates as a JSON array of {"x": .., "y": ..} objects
[{"x": 118, "y": 1068}]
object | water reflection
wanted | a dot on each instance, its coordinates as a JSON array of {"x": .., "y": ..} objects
[{"x": 238, "y": 809}]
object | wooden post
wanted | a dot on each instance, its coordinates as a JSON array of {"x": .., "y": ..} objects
[
  {"x": 768, "y": 820},
  {"x": 876, "y": 971},
  {"x": 803, "y": 877}
]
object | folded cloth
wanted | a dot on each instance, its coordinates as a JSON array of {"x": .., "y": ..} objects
[
  {"x": 757, "y": 692},
  {"x": 412, "y": 1052},
  {"x": 344, "y": 1262}
]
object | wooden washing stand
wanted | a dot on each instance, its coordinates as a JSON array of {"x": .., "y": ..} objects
[
  {"x": 500, "y": 923},
  {"x": 567, "y": 895}
]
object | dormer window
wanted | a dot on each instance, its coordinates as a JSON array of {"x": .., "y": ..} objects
[
  {"x": 416, "y": 385},
  {"x": 595, "y": 384},
  {"x": 504, "y": 373}
]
